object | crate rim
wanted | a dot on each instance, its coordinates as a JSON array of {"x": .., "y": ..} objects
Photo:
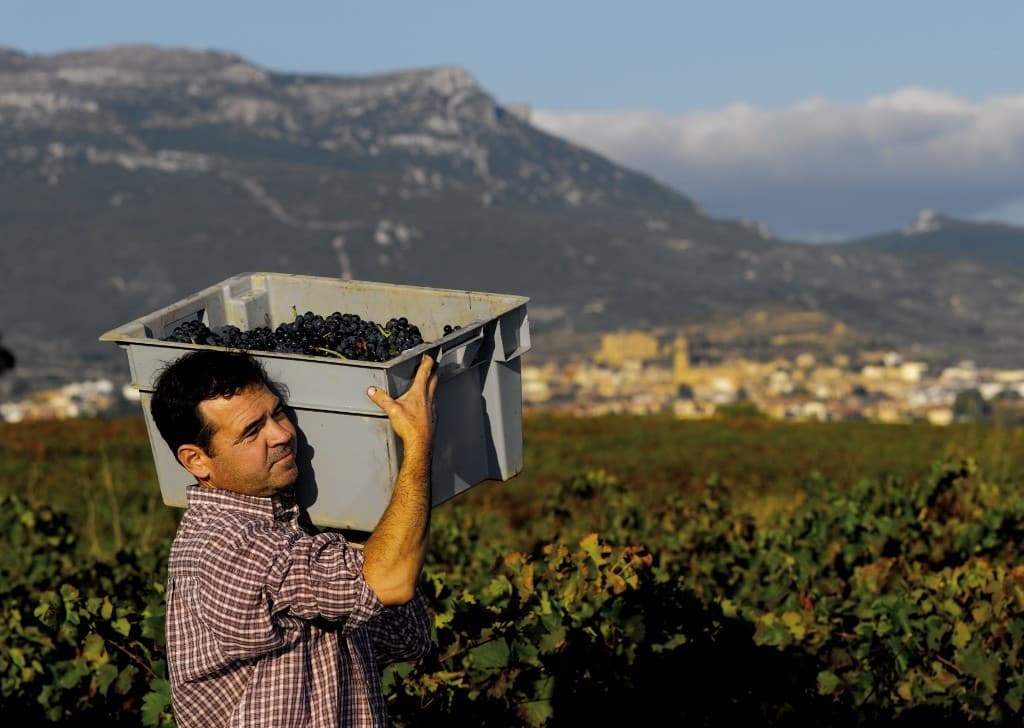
[{"x": 118, "y": 336}]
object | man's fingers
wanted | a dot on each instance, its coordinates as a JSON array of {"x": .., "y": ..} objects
[
  {"x": 425, "y": 369},
  {"x": 424, "y": 384},
  {"x": 421, "y": 383}
]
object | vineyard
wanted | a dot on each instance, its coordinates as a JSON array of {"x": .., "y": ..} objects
[{"x": 699, "y": 573}]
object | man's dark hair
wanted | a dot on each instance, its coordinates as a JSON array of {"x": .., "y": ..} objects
[{"x": 197, "y": 377}]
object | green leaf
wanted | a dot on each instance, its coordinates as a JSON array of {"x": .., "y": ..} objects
[
  {"x": 493, "y": 654},
  {"x": 153, "y": 628},
  {"x": 591, "y": 546},
  {"x": 729, "y": 608},
  {"x": 794, "y": 622},
  {"x": 905, "y": 689},
  {"x": 125, "y": 679},
  {"x": 1015, "y": 698},
  {"x": 676, "y": 640},
  {"x": 980, "y": 665},
  {"x": 105, "y": 675},
  {"x": 46, "y": 612},
  {"x": 524, "y": 652},
  {"x": 122, "y": 625},
  {"x": 388, "y": 680},
  {"x": 156, "y": 703},
  {"x": 74, "y": 674},
  {"x": 828, "y": 682},
  {"x": 552, "y": 640},
  {"x": 961, "y": 635},
  {"x": 95, "y": 649},
  {"x": 536, "y": 712}
]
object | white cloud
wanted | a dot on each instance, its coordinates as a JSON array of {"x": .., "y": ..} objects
[
  {"x": 1011, "y": 211},
  {"x": 790, "y": 166}
]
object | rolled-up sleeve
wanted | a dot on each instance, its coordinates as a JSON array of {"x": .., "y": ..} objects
[
  {"x": 259, "y": 579},
  {"x": 402, "y": 632}
]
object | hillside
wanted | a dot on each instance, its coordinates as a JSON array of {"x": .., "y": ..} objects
[
  {"x": 132, "y": 176},
  {"x": 935, "y": 234}
]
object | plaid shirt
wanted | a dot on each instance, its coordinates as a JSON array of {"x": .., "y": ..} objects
[{"x": 268, "y": 625}]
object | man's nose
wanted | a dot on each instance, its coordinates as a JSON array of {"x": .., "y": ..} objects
[{"x": 280, "y": 432}]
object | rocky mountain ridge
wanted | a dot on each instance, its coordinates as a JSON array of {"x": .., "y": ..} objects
[
  {"x": 133, "y": 176},
  {"x": 935, "y": 234}
]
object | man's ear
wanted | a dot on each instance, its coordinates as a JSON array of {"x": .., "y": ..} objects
[{"x": 194, "y": 461}]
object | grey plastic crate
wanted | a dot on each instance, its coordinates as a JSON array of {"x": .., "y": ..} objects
[{"x": 349, "y": 455}]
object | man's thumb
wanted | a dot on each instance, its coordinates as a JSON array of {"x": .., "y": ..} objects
[{"x": 379, "y": 396}]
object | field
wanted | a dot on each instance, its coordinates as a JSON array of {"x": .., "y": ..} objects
[{"x": 712, "y": 571}]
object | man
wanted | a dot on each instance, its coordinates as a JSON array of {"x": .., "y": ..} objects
[{"x": 268, "y": 624}]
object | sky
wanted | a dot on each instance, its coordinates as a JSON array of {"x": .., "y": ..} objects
[{"x": 822, "y": 119}]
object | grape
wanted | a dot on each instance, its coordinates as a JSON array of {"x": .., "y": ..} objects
[{"x": 338, "y": 335}]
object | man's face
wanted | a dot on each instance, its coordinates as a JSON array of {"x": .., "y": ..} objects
[{"x": 252, "y": 450}]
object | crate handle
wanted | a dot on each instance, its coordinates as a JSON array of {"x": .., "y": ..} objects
[{"x": 456, "y": 356}]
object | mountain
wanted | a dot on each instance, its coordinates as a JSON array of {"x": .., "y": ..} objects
[
  {"x": 933, "y": 233},
  {"x": 132, "y": 176}
]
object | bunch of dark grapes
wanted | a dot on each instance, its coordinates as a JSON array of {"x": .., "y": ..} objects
[{"x": 339, "y": 335}]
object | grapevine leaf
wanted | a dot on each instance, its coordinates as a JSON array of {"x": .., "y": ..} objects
[
  {"x": 125, "y": 679},
  {"x": 536, "y": 712},
  {"x": 794, "y": 622},
  {"x": 592, "y": 547},
  {"x": 961, "y": 635},
  {"x": 75, "y": 673},
  {"x": 493, "y": 654},
  {"x": 1015, "y": 697},
  {"x": 677, "y": 640},
  {"x": 95, "y": 649},
  {"x": 153, "y": 628},
  {"x": 552, "y": 640},
  {"x": 387, "y": 680},
  {"x": 156, "y": 703},
  {"x": 828, "y": 682},
  {"x": 105, "y": 675},
  {"x": 54, "y": 712},
  {"x": 46, "y": 612},
  {"x": 904, "y": 688},
  {"x": 980, "y": 665}
]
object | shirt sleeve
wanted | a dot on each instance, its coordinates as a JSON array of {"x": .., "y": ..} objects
[
  {"x": 402, "y": 632},
  {"x": 260, "y": 578}
]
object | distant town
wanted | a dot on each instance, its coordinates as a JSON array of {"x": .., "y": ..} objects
[
  {"x": 813, "y": 371},
  {"x": 78, "y": 399},
  {"x": 641, "y": 373}
]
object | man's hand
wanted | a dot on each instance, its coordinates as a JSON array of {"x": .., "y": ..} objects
[
  {"x": 412, "y": 415},
  {"x": 394, "y": 553}
]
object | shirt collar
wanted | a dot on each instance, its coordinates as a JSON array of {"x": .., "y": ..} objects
[{"x": 279, "y": 507}]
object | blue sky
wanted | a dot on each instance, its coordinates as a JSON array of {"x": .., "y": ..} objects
[
  {"x": 673, "y": 57},
  {"x": 598, "y": 72}
]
